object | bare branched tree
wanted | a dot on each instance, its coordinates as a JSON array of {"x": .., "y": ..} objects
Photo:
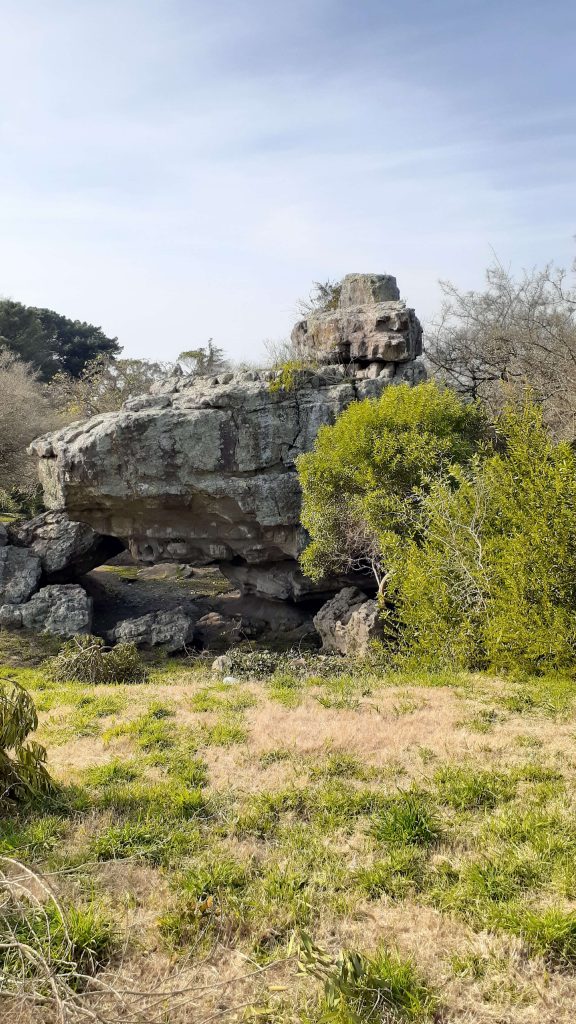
[
  {"x": 25, "y": 413},
  {"x": 104, "y": 385},
  {"x": 518, "y": 334}
]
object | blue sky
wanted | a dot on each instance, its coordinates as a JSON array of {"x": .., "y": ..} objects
[{"x": 176, "y": 170}]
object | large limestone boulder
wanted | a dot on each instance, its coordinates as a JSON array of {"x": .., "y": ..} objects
[
  {"x": 348, "y": 623},
  {"x": 20, "y": 572},
  {"x": 62, "y": 610},
  {"x": 173, "y": 630},
  {"x": 66, "y": 549}
]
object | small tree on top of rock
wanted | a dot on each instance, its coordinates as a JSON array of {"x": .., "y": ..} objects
[
  {"x": 323, "y": 297},
  {"x": 204, "y": 361}
]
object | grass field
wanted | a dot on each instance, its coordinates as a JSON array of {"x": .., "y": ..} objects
[{"x": 426, "y": 822}]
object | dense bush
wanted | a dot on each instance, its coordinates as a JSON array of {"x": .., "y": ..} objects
[
  {"x": 85, "y": 659},
  {"x": 473, "y": 540},
  {"x": 491, "y": 578},
  {"x": 22, "y": 764},
  {"x": 361, "y": 481}
]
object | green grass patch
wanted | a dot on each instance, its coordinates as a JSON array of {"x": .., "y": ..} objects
[
  {"x": 467, "y": 787},
  {"x": 149, "y": 839},
  {"x": 359, "y": 989},
  {"x": 222, "y": 734},
  {"x": 407, "y": 819},
  {"x": 400, "y": 875}
]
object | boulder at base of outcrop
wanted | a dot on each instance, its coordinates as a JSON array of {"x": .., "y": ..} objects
[
  {"x": 216, "y": 632},
  {"x": 20, "y": 572},
  {"x": 66, "y": 550},
  {"x": 348, "y": 623},
  {"x": 173, "y": 630},
  {"x": 63, "y": 610}
]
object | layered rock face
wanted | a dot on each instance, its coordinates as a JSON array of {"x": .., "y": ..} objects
[
  {"x": 371, "y": 328},
  {"x": 203, "y": 470}
]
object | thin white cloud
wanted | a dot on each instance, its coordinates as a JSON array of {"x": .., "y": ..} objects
[{"x": 176, "y": 174}]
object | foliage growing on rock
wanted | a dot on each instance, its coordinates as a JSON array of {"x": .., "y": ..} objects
[
  {"x": 286, "y": 378},
  {"x": 85, "y": 659}
]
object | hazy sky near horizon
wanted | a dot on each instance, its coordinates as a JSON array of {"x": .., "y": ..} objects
[{"x": 175, "y": 170}]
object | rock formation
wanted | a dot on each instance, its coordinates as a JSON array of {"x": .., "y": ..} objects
[
  {"x": 62, "y": 609},
  {"x": 39, "y": 560},
  {"x": 173, "y": 630},
  {"x": 203, "y": 469},
  {"x": 348, "y": 623},
  {"x": 66, "y": 549},
  {"x": 370, "y": 329}
]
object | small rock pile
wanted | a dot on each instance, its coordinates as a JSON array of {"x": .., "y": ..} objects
[{"x": 40, "y": 562}]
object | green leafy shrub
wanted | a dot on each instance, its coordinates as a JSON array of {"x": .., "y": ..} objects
[
  {"x": 85, "y": 659},
  {"x": 23, "y": 774},
  {"x": 362, "y": 480},
  {"x": 256, "y": 663},
  {"x": 470, "y": 531},
  {"x": 490, "y": 578}
]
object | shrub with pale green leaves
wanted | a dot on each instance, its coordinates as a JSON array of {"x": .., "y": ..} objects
[{"x": 470, "y": 530}]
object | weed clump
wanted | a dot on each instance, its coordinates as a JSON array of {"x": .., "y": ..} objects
[
  {"x": 86, "y": 659},
  {"x": 358, "y": 988}
]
